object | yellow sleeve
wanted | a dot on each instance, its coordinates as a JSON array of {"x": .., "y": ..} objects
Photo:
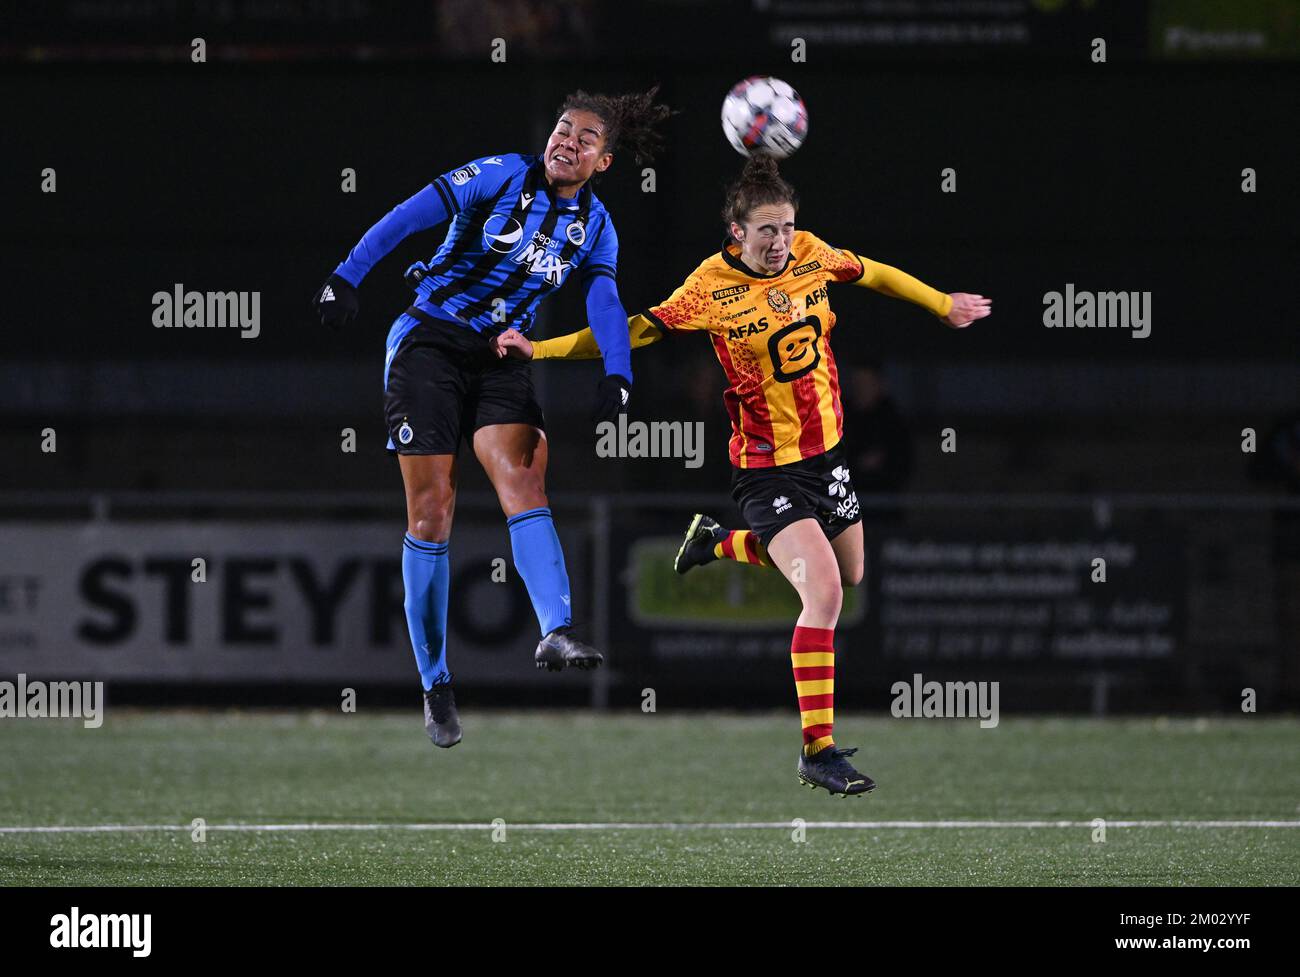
[
  {"x": 581, "y": 345},
  {"x": 888, "y": 280}
]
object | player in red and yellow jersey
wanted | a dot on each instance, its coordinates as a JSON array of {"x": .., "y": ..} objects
[{"x": 763, "y": 301}]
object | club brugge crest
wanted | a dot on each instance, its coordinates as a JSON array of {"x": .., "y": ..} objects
[
  {"x": 576, "y": 234},
  {"x": 405, "y": 433},
  {"x": 778, "y": 300}
]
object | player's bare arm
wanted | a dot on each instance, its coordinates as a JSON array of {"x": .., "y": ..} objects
[{"x": 580, "y": 345}]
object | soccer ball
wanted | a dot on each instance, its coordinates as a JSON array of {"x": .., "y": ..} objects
[{"x": 764, "y": 115}]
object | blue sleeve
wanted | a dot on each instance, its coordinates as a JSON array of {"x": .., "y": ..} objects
[
  {"x": 417, "y": 213},
  {"x": 445, "y": 197},
  {"x": 602, "y": 259},
  {"x": 608, "y": 324},
  {"x": 477, "y": 181}
]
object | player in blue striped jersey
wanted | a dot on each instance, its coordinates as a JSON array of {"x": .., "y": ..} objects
[{"x": 521, "y": 226}]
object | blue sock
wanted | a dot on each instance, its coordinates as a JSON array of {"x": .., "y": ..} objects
[
  {"x": 540, "y": 561},
  {"x": 426, "y": 573}
]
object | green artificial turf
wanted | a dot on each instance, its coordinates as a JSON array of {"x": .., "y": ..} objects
[{"x": 168, "y": 768}]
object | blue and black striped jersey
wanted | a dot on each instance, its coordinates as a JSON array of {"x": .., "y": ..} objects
[{"x": 511, "y": 243}]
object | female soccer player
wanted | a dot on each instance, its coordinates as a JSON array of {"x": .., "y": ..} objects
[
  {"x": 521, "y": 225},
  {"x": 763, "y": 302}
]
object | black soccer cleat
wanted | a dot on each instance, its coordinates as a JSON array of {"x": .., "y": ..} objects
[
  {"x": 441, "y": 720},
  {"x": 697, "y": 548},
  {"x": 560, "y": 648},
  {"x": 831, "y": 769}
]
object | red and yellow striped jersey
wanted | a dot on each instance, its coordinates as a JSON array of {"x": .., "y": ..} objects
[{"x": 771, "y": 333}]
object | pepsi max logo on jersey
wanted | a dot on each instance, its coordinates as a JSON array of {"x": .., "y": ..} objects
[
  {"x": 545, "y": 240},
  {"x": 806, "y": 267},
  {"x": 724, "y": 293},
  {"x": 465, "y": 174},
  {"x": 815, "y": 296},
  {"x": 502, "y": 233},
  {"x": 794, "y": 349},
  {"x": 542, "y": 262}
]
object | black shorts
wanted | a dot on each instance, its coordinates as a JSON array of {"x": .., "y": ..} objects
[
  {"x": 444, "y": 383},
  {"x": 815, "y": 488}
]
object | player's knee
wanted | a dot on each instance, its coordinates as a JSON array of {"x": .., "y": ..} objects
[
  {"x": 432, "y": 529},
  {"x": 851, "y": 576},
  {"x": 522, "y": 490},
  {"x": 430, "y": 514},
  {"x": 824, "y": 599}
]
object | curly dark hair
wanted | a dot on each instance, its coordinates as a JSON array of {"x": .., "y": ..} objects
[
  {"x": 759, "y": 183},
  {"x": 631, "y": 120}
]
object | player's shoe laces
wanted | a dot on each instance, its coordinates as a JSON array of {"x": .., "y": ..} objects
[
  {"x": 697, "y": 548},
  {"x": 831, "y": 769},
  {"x": 441, "y": 720},
  {"x": 561, "y": 648}
]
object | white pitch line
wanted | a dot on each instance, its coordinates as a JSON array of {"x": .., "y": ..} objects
[{"x": 639, "y": 826}]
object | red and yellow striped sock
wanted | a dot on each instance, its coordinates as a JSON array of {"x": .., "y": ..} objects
[
  {"x": 742, "y": 546},
  {"x": 812, "y": 653}
]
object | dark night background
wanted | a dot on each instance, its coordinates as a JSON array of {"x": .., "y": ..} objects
[{"x": 1118, "y": 176}]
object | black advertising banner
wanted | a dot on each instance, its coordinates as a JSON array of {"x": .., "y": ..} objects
[{"x": 1049, "y": 600}]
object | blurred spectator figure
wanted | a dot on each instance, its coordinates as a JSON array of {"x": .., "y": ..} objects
[
  {"x": 467, "y": 28},
  {"x": 702, "y": 398},
  {"x": 1277, "y": 458},
  {"x": 879, "y": 443}
]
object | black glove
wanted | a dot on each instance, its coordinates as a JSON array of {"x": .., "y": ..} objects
[
  {"x": 337, "y": 302},
  {"x": 611, "y": 398}
]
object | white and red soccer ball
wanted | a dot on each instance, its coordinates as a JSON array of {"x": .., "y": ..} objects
[{"x": 764, "y": 115}]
